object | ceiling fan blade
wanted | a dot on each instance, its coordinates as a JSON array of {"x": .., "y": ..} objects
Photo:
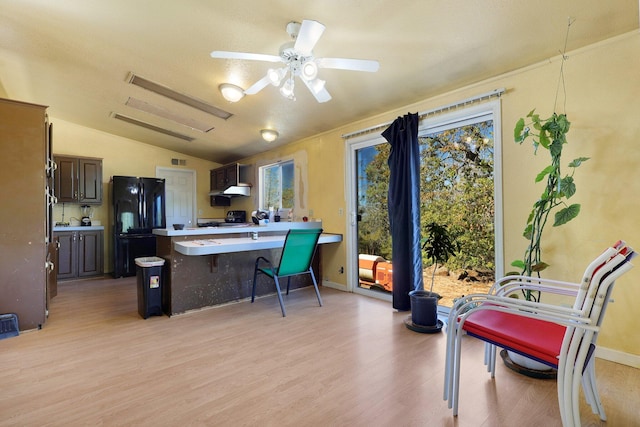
[
  {"x": 258, "y": 86},
  {"x": 368, "y": 65},
  {"x": 310, "y": 32},
  {"x": 241, "y": 55},
  {"x": 317, "y": 89}
]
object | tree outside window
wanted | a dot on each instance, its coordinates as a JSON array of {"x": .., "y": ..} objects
[{"x": 278, "y": 185}]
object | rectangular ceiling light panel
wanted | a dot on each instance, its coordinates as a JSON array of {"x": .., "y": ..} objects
[
  {"x": 167, "y": 114},
  {"x": 177, "y": 96},
  {"x": 149, "y": 126}
]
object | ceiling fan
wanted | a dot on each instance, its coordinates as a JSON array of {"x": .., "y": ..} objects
[{"x": 298, "y": 59}]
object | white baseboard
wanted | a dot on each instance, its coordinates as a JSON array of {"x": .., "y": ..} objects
[
  {"x": 334, "y": 285},
  {"x": 618, "y": 357}
]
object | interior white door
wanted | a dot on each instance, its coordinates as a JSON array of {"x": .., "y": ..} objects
[{"x": 179, "y": 195}]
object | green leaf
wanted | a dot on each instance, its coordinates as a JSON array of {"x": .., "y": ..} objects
[
  {"x": 544, "y": 139},
  {"x": 567, "y": 186},
  {"x": 546, "y": 171},
  {"x": 567, "y": 214},
  {"x": 528, "y": 232},
  {"x": 556, "y": 148},
  {"x": 531, "y": 113},
  {"x": 577, "y": 162},
  {"x": 517, "y": 131},
  {"x": 518, "y": 264},
  {"x": 539, "y": 266}
]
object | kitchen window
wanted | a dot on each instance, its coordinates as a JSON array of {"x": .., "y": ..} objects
[{"x": 277, "y": 189}]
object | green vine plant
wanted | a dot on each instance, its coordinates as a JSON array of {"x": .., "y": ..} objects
[{"x": 549, "y": 134}]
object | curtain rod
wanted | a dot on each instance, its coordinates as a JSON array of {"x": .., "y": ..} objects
[{"x": 422, "y": 115}]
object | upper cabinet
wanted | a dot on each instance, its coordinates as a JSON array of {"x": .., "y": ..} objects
[
  {"x": 78, "y": 179},
  {"x": 225, "y": 176},
  {"x": 229, "y": 181}
]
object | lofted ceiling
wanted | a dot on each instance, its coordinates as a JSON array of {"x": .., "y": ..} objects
[{"x": 77, "y": 57}]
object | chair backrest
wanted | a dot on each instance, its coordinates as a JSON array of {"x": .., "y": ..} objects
[{"x": 298, "y": 250}]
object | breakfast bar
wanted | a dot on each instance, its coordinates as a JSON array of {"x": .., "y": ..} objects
[{"x": 210, "y": 266}]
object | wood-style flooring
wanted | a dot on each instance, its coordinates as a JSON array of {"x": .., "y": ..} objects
[{"x": 351, "y": 362}]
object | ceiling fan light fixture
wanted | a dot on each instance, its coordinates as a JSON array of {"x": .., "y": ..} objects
[
  {"x": 309, "y": 70},
  {"x": 231, "y": 92},
  {"x": 276, "y": 76},
  {"x": 269, "y": 135},
  {"x": 287, "y": 89}
]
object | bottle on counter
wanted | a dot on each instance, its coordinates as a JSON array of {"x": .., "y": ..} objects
[{"x": 290, "y": 215}]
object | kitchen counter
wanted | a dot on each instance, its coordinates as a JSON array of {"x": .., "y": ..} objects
[
  {"x": 241, "y": 244},
  {"x": 209, "y": 266},
  {"x": 79, "y": 228},
  {"x": 237, "y": 229}
]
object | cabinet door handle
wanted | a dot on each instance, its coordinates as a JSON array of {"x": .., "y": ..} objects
[
  {"x": 75, "y": 194},
  {"x": 81, "y": 196},
  {"x": 81, "y": 235}
]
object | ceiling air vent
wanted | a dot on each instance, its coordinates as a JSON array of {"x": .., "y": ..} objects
[
  {"x": 170, "y": 115},
  {"x": 151, "y": 127},
  {"x": 177, "y": 96}
]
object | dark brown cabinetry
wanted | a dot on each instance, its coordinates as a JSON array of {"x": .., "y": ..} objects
[
  {"x": 24, "y": 225},
  {"x": 79, "y": 253},
  {"x": 225, "y": 177},
  {"x": 78, "y": 179}
]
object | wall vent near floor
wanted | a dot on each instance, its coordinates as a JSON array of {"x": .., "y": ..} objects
[{"x": 178, "y": 162}]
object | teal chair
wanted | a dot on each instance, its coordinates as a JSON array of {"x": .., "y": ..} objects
[{"x": 297, "y": 254}]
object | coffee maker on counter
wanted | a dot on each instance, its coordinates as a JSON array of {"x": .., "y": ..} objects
[{"x": 87, "y": 213}]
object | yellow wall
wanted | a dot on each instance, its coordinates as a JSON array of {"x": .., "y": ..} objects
[
  {"x": 122, "y": 156},
  {"x": 604, "y": 108}
]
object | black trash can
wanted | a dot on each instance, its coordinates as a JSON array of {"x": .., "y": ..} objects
[{"x": 149, "y": 274}]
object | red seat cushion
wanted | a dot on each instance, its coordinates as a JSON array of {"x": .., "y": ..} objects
[{"x": 540, "y": 339}]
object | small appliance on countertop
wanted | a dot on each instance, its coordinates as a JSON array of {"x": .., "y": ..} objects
[
  {"x": 236, "y": 217},
  {"x": 209, "y": 222},
  {"x": 87, "y": 213}
]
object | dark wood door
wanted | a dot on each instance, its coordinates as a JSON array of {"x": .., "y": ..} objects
[
  {"x": 231, "y": 175},
  {"x": 89, "y": 253},
  {"x": 66, "y": 179},
  {"x": 90, "y": 181},
  {"x": 67, "y": 254}
]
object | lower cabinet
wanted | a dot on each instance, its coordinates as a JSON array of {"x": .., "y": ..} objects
[{"x": 80, "y": 253}]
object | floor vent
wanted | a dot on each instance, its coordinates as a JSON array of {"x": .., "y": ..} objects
[{"x": 8, "y": 326}]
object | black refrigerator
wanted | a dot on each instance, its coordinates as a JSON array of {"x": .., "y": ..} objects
[{"x": 138, "y": 208}]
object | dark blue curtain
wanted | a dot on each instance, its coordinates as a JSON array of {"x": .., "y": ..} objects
[{"x": 404, "y": 208}]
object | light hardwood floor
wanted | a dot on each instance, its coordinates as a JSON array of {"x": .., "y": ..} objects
[{"x": 349, "y": 363}]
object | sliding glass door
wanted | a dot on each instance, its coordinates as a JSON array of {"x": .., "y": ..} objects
[{"x": 460, "y": 183}]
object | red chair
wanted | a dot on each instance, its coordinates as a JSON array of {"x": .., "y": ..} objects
[{"x": 563, "y": 338}]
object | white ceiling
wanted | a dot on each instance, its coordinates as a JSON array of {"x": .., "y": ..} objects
[{"x": 75, "y": 56}]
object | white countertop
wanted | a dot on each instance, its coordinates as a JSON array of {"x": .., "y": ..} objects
[
  {"x": 241, "y": 244},
  {"x": 237, "y": 228},
  {"x": 79, "y": 228}
]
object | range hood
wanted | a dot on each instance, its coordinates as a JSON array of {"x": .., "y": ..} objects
[{"x": 239, "y": 189}]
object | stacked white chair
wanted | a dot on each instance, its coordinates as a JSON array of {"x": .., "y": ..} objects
[{"x": 494, "y": 318}]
